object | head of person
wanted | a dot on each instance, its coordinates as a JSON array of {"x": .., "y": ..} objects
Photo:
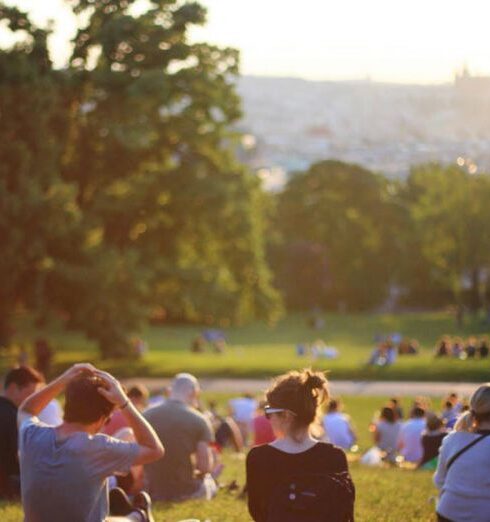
[
  {"x": 185, "y": 388},
  {"x": 388, "y": 414},
  {"x": 433, "y": 422},
  {"x": 21, "y": 382},
  {"x": 293, "y": 402},
  {"x": 139, "y": 395},
  {"x": 453, "y": 398},
  {"x": 465, "y": 422},
  {"x": 417, "y": 412},
  {"x": 334, "y": 406},
  {"x": 85, "y": 405},
  {"x": 480, "y": 405}
]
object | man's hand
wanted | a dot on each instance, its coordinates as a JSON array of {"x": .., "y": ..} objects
[
  {"x": 36, "y": 402},
  {"x": 76, "y": 370},
  {"x": 112, "y": 389}
]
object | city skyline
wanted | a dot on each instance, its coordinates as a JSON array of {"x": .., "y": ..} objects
[{"x": 421, "y": 42}]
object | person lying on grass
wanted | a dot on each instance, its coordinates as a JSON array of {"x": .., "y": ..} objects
[{"x": 64, "y": 470}]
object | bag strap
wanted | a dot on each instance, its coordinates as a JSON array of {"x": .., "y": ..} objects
[{"x": 464, "y": 450}]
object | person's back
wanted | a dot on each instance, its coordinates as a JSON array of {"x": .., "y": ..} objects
[
  {"x": 296, "y": 478},
  {"x": 410, "y": 437},
  {"x": 464, "y": 460},
  {"x": 64, "y": 469},
  {"x": 180, "y": 428},
  {"x": 65, "y": 479},
  {"x": 387, "y": 437},
  {"x": 338, "y": 430},
  {"x": 268, "y": 466}
]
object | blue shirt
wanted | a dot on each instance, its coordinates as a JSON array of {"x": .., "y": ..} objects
[{"x": 65, "y": 479}]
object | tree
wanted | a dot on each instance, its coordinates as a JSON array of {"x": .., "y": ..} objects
[
  {"x": 345, "y": 209},
  {"x": 450, "y": 218},
  {"x": 38, "y": 214},
  {"x": 165, "y": 215}
]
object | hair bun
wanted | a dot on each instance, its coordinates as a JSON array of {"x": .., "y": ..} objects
[{"x": 315, "y": 380}]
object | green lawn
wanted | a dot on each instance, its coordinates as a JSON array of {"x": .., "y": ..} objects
[
  {"x": 384, "y": 495},
  {"x": 258, "y": 350}
]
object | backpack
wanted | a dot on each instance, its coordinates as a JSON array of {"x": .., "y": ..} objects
[{"x": 313, "y": 497}]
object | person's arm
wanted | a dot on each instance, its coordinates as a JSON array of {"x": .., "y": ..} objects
[
  {"x": 36, "y": 402},
  {"x": 204, "y": 457},
  {"x": 352, "y": 430},
  {"x": 236, "y": 435},
  {"x": 441, "y": 471},
  {"x": 150, "y": 447},
  {"x": 376, "y": 435}
]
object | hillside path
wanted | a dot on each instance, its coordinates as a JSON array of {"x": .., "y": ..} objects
[{"x": 374, "y": 388}]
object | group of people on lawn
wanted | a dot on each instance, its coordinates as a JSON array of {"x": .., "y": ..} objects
[{"x": 73, "y": 471}]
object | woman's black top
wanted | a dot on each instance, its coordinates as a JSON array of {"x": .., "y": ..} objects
[
  {"x": 267, "y": 466},
  {"x": 431, "y": 445}
]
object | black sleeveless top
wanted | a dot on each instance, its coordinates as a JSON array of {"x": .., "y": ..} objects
[{"x": 267, "y": 466}]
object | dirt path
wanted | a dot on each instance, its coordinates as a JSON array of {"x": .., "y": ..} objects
[{"x": 375, "y": 388}]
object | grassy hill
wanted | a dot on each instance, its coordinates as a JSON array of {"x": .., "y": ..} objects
[{"x": 259, "y": 350}]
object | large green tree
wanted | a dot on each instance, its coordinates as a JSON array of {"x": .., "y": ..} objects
[
  {"x": 449, "y": 222},
  {"x": 39, "y": 218},
  {"x": 165, "y": 215},
  {"x": 344, "y": 210}
]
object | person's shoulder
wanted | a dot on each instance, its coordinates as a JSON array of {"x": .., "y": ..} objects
[
  {"x": 100, "y": 442},
  {"x": 328, "y": 449},
  {"x": 7, "y": 408},
  {"x": 258, "y": 453}
]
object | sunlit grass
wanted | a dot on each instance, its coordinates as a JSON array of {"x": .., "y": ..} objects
[
  {"x": 258, "y": 350},
  {"x": 385, "y": 495}
]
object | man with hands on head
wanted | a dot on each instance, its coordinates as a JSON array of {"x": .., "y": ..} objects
[{"x": 64, "y": 470}]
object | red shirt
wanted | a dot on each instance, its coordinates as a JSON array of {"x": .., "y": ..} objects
[
  {"x": 116, "y": 423},
  {"x": 263, "y": 433}
]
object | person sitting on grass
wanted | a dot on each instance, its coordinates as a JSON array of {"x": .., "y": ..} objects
[
  {"x": 189, "y": 468},
  {"x": 19, "y": 383},
  {"x": 410, "y": 436},
  {"x": 462, "y": 475},
  {"x": 296, "y": 473},
  {"x": 338, "y": 426},
  {"x": 64, "y": 470},
  {"x": 386, "y": 431},
  {"x": 431, "y": 441}
]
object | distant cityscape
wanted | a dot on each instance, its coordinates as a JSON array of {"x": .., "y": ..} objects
[{"x": 291, "y": 123}]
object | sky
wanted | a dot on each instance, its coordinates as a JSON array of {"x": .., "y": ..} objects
[{"x": 402, "y": 41}]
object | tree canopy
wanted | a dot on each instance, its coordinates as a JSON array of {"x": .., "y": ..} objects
[{"x": 132, "y": 150}]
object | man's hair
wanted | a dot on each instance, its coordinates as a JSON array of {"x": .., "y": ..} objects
[
  {"x": 83, "y": 401},
  {"x": 138, "y": 391},
  {"x": 23, "y": 376},
  {"x": 184, "y": 383},
  {"x": 417, "y": 412}
]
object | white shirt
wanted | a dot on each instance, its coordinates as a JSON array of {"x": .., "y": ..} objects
[
  {"x": 465, "y": 488},
  {"x": 52, "y": 415},
  {"x": 337, "y": 429},
  {"x": 243, "y": 409},
  {"x": 410, "y": 438}
]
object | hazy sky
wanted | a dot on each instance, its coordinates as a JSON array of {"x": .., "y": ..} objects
[{"x": 416, "y": 41}]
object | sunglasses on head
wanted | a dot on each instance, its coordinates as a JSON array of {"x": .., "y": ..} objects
[{"x": 268, "y": 411}]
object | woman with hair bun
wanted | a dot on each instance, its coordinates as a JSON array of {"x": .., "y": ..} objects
[
  {"x": 296, "y": 477},
  {"x": 462, "y": 474}
]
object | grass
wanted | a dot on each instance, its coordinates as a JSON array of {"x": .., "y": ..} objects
[
  {"x": 383, "y": 495},
  {"x": 259, "y": 350}
]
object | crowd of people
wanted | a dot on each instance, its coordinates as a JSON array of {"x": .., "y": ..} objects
[
  {"x": 458, "y": 348},
  {"x": 389, "y": 347},
  {"x": 109, "y": 452}
]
